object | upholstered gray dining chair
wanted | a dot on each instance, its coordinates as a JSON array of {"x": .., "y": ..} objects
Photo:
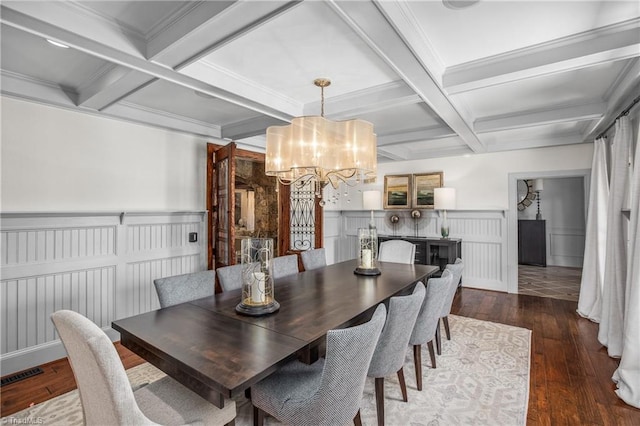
[
  {"x": 427, "y": 321},
  {"x": 389, "y": 355},
  {"x": 327, "y": 392},
  {"x": 185, "y": 287},
  {"x": 398, "y": 251},
  {"x": 230, "y": 277},
  {"x": 105, "y": 391},
  {"x": 314, "y": 259},
  {"x": 456, "y": 270},
  {"x": 284, "y": 266}
]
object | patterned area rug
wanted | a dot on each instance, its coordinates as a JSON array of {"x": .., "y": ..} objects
[{"x": 482, "y": 377}]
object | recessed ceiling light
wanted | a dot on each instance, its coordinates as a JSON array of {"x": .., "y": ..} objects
[
  {"x": 58, "y": 44},
  {"x": 459, "y": 4}
]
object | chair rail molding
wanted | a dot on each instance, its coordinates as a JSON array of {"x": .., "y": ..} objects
[{"x": 100, "y": 264}]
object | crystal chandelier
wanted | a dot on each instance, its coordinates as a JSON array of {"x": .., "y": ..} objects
[{"x": 314, "y": 149}]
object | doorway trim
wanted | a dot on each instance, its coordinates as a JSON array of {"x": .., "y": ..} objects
[{"x": 512, "y": 214}]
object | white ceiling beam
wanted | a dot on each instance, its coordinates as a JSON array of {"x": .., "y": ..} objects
[
  {"x": 395, "y": 155},
  {"x": 368, "y": 21},
  {"x": 624, "y": 90},
  {"x": 49, "y": 94},
  {"x": 134, "y": 62},
  {"x": 154, "y": 117},
  {"x": 606, "y": 44},
  {"x": 538, "y": 118},
  {"x": 414, "y": 136},
  {"x": 511, "y": 144}
]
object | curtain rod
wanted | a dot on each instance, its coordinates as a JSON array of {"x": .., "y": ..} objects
[{"x": 622, "y": 114}]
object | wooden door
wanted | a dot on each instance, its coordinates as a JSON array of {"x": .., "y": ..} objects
[{"x": 220, "y": 193}]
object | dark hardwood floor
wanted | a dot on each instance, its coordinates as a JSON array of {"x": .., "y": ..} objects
[{"x": 570, "y": 371}]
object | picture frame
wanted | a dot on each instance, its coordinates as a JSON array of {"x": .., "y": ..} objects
[
  {"x": 423, "y": 186},
  {"x": 397, "y": 191}
]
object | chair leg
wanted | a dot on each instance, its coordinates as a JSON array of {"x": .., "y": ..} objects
[
  {"x": 445, "y": 320},
  {"x": 258, "y": 416},
  {"x": 438, "y": 341},
  {"x": 403, "y": 385},
  {"x": 417, "y": 363},
  {"x": 380, "y": 400},
  {"x": 432, "y": 354},
  {"x": 357, "y": 421}
]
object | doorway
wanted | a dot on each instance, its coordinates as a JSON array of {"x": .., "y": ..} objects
[{"x": 563, "y": 201}]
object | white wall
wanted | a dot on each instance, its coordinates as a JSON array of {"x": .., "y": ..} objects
[
  {"x": 59, "y": 160},
  {"x": 481, "y": 180}
]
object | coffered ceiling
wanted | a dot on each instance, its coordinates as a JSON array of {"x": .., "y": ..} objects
[{"x": 435, "y": 79}]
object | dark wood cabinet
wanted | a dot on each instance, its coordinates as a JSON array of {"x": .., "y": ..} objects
[
  {"x": 532, "y": 242},
  {"x": 432, "y": 251}
]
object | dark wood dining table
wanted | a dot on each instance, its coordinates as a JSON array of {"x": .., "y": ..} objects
[{"x": 216, "y": 352}]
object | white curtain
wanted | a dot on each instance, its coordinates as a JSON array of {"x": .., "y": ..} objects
[
  {"x": 615, "y": 273},
  {"x": 590, "y": 302},
  {"x": 627, "y": 376}
]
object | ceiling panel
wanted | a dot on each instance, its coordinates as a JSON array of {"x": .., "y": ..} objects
[
  {"x": 30, "y": 55},
  {"x": 174, "y": 99},
  {"x": 493, "y": 27},
  {"x": 287, "y": 53},
  {"x": 575, "y": 87}
]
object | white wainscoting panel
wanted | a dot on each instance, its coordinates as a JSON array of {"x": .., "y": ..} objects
[
  {"x": 566, "y": 247},
  {"x": 483, "y": 234},
  {"x": 101, "y": 265}
]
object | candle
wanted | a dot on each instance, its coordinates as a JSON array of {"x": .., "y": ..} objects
[
  {"x": 257, "y": 287},
  {"x": 366, "y": 258}
]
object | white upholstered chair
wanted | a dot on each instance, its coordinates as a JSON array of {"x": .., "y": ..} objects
[
  {"x": 314, "y": 259},
  {"x": 327, "y": 392},
  {"x": 185, "y": 287},
  {"x": 105, "y": 391},
  {"x": 398, "y": 251},
  {"x": 427, "y": 321}
]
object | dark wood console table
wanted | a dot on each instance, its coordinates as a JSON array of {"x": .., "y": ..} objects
[{"x": 432, "y": 251}]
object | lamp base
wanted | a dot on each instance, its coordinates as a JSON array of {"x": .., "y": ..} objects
[
  {"x": 367, "y": 271},
  {"x": 257, "y": 311},
  {"x": 444, "y": 231}
]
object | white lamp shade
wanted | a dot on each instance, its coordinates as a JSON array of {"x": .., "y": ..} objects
[
  {"x": 444, "y": 198},
  {"x": 371, "y": 200},
  {"x": 538, "y": 185}
]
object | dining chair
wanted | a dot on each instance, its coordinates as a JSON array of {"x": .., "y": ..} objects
[
  {"x": 427, "y": 321},
  {"x": 284, "y": 266},
  {"x": 456, "y": 269},
  {"x": 314, "y": 259},
  {"x": 105, "y": 392},
  {"x": 185, "y": 287},
  {"x": 398, "y": 251},
  {"x": 389, "y": 355},
  {"x": 327, "y": 392},
  {"x": 230, "y": 277}
]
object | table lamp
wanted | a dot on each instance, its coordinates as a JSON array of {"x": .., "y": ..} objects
[
  {"x": 444, "y": 199},
  {"x": 371, "y": 200},
  {"x": 538, "y": 186}
]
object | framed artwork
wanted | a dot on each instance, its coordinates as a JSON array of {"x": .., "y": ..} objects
[
  {"x": 397, "y": 191},
  {"x": 423, "y": 186}
]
